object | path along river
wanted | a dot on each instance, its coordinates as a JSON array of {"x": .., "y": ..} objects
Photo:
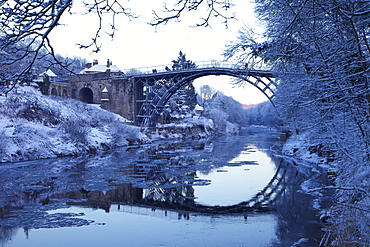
[{"x": 226, "y": 192}]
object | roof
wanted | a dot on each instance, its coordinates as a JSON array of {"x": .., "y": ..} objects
[
  {"x": 48, "y": 73},
  {"x": 198, "y": 108},
  {"x": 100, "y": 68}
]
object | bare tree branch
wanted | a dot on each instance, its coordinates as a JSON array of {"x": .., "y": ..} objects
[
  {"x": 214, "y": 9},
  {"x": 26, "y": 25}
]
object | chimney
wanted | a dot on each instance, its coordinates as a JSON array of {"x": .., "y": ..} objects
[
  {"x": 95, "y": 62},
  {"x": 108, "y": 63}
]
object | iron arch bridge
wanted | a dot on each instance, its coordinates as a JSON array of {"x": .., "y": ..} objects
[{"x": 156, "y": 85}]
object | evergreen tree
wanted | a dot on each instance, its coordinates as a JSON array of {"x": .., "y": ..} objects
[
  {"x": 183, "y": 101},
  {"x": 44, "y": 85},
  {"x": 187, "y": 92},
  {"x": 182, "y": 63}
]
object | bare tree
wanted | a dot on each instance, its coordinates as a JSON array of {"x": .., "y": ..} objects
[
  {"x": 25, "y": 27},
  {"x": 207, "y": 92},
  {"x": 213, "y": 8}
]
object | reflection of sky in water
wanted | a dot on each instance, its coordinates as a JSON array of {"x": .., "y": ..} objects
[
  {"x": 233, "y": 183},
  {"x": 135, "y": 226}
]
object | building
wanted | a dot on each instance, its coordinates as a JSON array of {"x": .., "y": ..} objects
[
  {"x": 105, "y": 85},
  {"x": 100, "y": 68}
]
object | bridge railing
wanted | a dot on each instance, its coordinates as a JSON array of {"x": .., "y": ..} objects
[{"x": 199, "y": 65}]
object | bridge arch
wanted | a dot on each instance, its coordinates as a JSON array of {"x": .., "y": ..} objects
[
  {"x": 53, "y": 91},
  {"x": 86, "y": 95},
  {"x": 65, "y": 93},
  {"x": 159, "y": 87},
  {"x": 188, "y": 79}
]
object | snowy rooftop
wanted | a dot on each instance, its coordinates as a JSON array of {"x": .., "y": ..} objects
[
  {"x": 49, "y": 73},
  {"x": 198, "y": 108},
  {"x": 100, "y": 68}
]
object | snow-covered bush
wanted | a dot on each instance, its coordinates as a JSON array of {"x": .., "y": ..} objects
[
  {"x": 219, "y": 118},
  {"x": 187, "y": 129},
  {"x": 76, "y": 130},
  {"x": 123, "y": 134}
]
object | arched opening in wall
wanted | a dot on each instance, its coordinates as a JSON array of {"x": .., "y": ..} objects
[
  {"x": 86, "y": 95},
  {"x": 65, "y": 94},
  {"x": 53, "y": 91}
]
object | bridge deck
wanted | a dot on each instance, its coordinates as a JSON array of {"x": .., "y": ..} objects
[{"x": 200, "y": 66}]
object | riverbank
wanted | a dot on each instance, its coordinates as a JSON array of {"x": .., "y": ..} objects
[
  {"x": 34, "y": 126},
  {"x": 189, "y": 129},
  {"x": 346, "y": 222}
]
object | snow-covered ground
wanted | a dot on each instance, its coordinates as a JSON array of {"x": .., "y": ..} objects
[
  {"x": 301, "y": 147},
  {"x": 33, "y": 126}
]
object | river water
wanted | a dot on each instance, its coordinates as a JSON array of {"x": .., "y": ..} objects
[{"x": 230, "y": 191}]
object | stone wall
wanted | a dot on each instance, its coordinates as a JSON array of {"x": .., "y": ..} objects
[
  {"x": 88, "y": 88},
  {"x": 59, "y": 88}
]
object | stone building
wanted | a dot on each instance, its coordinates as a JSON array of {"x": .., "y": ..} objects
[{"x": 104, "y": 85}]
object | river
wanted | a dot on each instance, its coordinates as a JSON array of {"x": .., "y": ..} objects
[{"x": 230, "y": 191}]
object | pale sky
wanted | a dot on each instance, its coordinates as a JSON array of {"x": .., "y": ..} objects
[{"x": 138, "y": 44}]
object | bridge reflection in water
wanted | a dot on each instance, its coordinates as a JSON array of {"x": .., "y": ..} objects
[
  {"x": 160, "y": 179},
  {"x": 183, "y": 198},
  {"x": 160, "y": 188}
]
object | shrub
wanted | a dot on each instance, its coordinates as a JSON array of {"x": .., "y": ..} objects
[
  {"x": 76, "y": 129},
  {"x": 123, "y": 133}
]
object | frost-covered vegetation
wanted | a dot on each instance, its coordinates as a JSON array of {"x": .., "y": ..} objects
[
  {"x": 321, "y": 50},
  {"x": 262, "y": 114},
  {"x": 188, "y": 129},
  {"x": 227, "y": 114},
  {"x": 33, "y": 126}
]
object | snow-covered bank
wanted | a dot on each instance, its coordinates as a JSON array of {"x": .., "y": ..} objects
[
  {"x": 192, "y": 128},
  {"x": 347, "y": 220},
  {"x": 33, "y": 126},
  {"x": 187, "y": 129},
  {"x": 302, "y": 147}
]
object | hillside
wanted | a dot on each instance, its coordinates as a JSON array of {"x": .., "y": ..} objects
[{"x": 33, "y": 126}]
